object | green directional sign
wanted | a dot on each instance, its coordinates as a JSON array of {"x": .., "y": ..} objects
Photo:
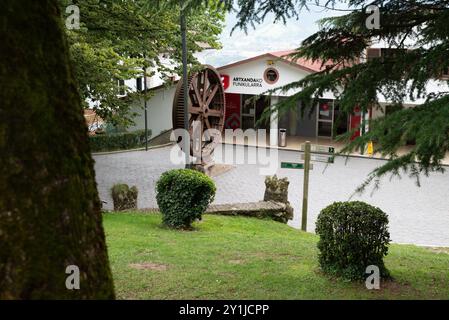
[{"x": 293, "y": 165}]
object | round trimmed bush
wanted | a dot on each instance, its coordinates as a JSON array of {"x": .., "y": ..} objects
[
  {"x": 353, "y": 235},
  {"x": 183, "y": 195}
]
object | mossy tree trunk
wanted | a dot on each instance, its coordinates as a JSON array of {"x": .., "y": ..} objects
[{"x": 49, "y": 207}]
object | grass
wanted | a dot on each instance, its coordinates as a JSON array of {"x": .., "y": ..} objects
[{"x": 246, "y": 258}]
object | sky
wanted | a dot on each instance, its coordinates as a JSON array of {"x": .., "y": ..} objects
[{"x": 265, "y": 37}]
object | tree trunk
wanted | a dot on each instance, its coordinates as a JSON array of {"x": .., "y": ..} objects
[{"x": 50, "y": 213}]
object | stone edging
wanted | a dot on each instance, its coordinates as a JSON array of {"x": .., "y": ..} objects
[
  {"x": 262, "y": 209},
  {"x": 132, "y": 150}
]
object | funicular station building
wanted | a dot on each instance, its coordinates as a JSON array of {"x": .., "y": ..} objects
[{"x": 247, "y": 79}]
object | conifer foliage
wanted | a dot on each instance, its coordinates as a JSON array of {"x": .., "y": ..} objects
[{"x": 418, "y": 32}]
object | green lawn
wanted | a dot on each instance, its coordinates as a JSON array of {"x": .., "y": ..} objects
[{"x": 246, "y": 258}]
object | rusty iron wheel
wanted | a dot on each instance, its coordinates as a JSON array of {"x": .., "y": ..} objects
[{"x": 206, "y": 108}]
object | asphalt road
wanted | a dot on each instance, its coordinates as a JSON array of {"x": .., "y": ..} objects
[{"x": 418, "y": 215}]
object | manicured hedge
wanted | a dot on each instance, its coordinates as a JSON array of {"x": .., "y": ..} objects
[
  {"x": 118, "y": 141},
  {"x": 353, "y": 236},
  {"x": 183, "y": 195}
]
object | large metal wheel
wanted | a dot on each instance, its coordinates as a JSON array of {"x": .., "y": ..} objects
[{"x": 206, "y": 108}]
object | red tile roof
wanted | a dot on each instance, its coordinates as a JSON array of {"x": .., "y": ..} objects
[
  {"x": 304, "y": 64},
  {"x": 315, "y": 66}
]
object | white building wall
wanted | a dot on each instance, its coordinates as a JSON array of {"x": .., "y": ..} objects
[
  {"x": 288, "y": 73},
  {"x": 159, "y": 111},
  {"x": 433, "y": 86}
]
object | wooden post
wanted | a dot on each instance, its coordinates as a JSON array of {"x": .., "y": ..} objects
[{"x": 305, "y": 195}]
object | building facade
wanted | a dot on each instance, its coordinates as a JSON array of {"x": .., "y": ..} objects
[
  {"x": 245, "y": 83},
  {"x": 246, "y": 80}
]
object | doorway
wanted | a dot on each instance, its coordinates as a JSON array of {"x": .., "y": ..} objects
[
  {"x": 341, "y": 120},
  {"x": 252, "y": 110},
  {"x": 325, "y": 119},
  {"x": 248, "y": 112}
]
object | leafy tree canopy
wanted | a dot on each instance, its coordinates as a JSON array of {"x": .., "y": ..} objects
[
  {"x": 418, "y": 29},
  {"x": 118, "y": 38}
]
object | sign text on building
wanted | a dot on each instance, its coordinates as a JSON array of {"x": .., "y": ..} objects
[{"x": 247, "y": 82}]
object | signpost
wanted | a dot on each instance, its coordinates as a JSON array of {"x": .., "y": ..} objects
[
  {"x": 322, "y": 154},
  {"x": 305, "y": 192}
]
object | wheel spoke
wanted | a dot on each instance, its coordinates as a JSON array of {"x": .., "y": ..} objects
[
  {"x": 197, "y": 94},
  {"x": 215, "y": 113},
  {"x": 205, "y": 84},
  {"x": 211, "y": 95},
  {"x": 191, "y": 120},
  {"x": 207, "y": 123},
  {"x": 194, "y": 110}
]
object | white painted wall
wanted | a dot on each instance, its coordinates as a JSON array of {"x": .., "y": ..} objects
[
  {"x": 256, "y": 68},
  {"x": 433, "y": 86},
  {"x": 159, "y": 110}
]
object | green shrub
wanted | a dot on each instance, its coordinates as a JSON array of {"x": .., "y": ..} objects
[
  {"x": 124, "y": 197},
  {"x": 353, "y": 235},
  {"x": 118, "y": 141},
  {"x": 183, "y": 195}
]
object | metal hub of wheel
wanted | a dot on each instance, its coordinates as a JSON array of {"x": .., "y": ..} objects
[{"x": 206, "y": 110}]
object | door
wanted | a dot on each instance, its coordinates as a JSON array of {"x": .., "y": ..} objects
[
  {"x": 356, "y": 119},
  {"x": 261, "y": 105},
  {"x": 306, "y": 121},
  {"x": 341, "y": 120},
  {"x": 325, "y": 119},
  {"x": 232, "y": 111},
  {"x": 248, "y": 112}
]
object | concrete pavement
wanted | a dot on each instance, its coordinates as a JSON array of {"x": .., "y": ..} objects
[{"x": 418, "y": 215}]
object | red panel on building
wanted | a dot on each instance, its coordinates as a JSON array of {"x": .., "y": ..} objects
[
  {"x": 356, "y": 120},
  {"x": 225, "y": 80},
  {"x": 232, "y": 120}
]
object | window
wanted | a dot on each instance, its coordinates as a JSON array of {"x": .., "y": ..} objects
[
  {"x": 271, "y": 75},
  {"x": 139, "y": 84},
  {"x": 121, "y": 87},
  {"x": 373, "y": 53}
]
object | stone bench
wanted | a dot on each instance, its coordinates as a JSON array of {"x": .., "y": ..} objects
[{"x": 277, "y": 211}]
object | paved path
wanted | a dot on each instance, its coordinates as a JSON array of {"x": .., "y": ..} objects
[{"x": 418, "y": 215}]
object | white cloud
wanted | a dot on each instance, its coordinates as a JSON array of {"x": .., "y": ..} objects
[{"x": 265, "y": 37}]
